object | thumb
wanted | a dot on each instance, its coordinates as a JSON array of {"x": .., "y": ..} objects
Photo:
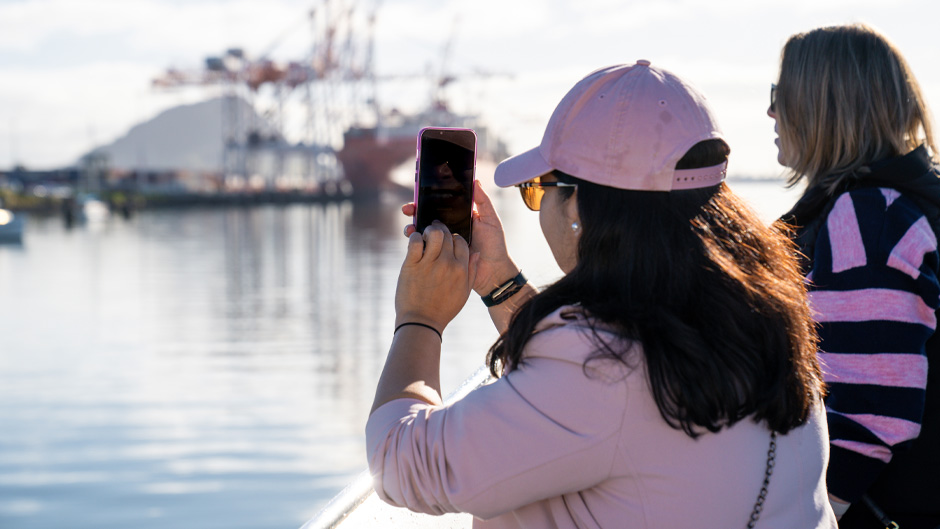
[{"x": 482, "y": 200}]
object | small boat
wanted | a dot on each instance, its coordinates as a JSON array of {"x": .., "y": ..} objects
[
  {"x": 357, "y": 506},
  {"x": 11, "y": 226}
]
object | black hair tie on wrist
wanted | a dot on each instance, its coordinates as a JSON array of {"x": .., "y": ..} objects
[{"x": 437, "y": 332}]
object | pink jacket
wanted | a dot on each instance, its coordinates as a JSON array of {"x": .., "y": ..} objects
[{"x": 547, "y": 446}]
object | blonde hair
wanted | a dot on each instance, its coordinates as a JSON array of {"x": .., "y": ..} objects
[{"x": 845, "y": 98}]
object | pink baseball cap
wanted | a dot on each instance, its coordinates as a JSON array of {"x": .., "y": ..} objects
[{"x": 625, "y": 127}]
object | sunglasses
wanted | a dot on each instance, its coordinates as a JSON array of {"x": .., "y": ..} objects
[
  {"x": 773, "y": 97},
  {"x": 532, "y": 192}
]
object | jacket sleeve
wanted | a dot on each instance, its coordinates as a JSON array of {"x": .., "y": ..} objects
[
  {"x": 545, "y": 429},
  {"x": 874, "y": 293}
]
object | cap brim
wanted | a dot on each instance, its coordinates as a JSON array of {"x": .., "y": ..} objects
[{"x": 521, "y": 168}]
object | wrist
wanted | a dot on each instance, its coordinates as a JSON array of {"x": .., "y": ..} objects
[
  {"x": 421, "y": 325},
  {"x": 412, "y": 317},
  {"x": 499, "y": 276}
]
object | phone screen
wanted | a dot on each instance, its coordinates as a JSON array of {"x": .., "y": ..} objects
[{"x": 444, "y": 184}]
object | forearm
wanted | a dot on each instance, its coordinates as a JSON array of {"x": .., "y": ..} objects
[
  {"x": 412, "y": 369},
  {"x": 502, "y": 314}
]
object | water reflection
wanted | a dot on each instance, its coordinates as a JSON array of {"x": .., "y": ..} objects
[{"x": 193, "y": 368}]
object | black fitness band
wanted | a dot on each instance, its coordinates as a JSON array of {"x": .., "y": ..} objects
[
  {"x": 437, "y": 332},
  {"x": 505, "y": 291}
]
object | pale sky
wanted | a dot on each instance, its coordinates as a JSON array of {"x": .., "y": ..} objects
[{"x": 76, "y": 73}]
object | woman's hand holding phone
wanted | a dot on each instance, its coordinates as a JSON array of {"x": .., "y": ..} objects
[
  {"x": 435, "y": 278},
  {"x": 433, "y": 286},
  {"x": 489, "y": 241}
]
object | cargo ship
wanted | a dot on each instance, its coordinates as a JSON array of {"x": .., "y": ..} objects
[
  {"x": 368, "y": 157},
  {"x": 370, "y": 154}
]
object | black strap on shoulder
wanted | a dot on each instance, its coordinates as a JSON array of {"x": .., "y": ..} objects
[{"x": 883, "y": 518}]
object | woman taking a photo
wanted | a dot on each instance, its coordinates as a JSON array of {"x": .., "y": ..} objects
[
  {"x": 853, "y": 124},
  {"x": 668, "y": 379}
]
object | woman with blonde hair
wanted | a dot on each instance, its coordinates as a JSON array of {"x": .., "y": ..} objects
[{"x": 852, "y": 122}]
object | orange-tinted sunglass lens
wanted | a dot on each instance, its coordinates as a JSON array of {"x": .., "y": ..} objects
[{"x": 532, "y": 196}]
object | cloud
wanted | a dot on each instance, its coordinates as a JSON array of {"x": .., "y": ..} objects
[
  {"x": 57, "y": 115},
  {"x": 72, "y": 66},
  {"x": 174, "y": 28}
]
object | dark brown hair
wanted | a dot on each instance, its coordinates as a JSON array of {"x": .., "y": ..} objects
[{"x": 713, "y": 295}]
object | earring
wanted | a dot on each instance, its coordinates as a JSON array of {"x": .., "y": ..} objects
[{"x": 575, "y": 227}]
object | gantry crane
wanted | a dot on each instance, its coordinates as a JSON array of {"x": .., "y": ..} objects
[{"x": 329, "y": 82}]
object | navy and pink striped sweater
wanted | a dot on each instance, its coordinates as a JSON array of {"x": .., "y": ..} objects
[{"x": 874, "y": 291}]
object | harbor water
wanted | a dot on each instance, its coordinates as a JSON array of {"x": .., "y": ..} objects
[{"x": 203, "y": 368}]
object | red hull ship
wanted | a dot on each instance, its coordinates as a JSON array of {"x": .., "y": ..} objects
[
  {"x": 369, "y": 154},
  {"x": 368, "y": 158}
]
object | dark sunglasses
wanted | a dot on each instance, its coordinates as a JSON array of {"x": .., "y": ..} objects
[
  {"x": 532, "y": 192},
  {"x": 773, "y": 97}
]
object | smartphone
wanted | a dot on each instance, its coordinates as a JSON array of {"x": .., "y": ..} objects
[{"x": 444, "y": 178}]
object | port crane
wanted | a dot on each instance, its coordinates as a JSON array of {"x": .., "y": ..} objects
[
  {"x": 329, "y": 83},
  {"x": 346, "y": 139}
]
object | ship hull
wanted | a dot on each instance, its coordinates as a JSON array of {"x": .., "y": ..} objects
[{"x": 368, "y": 159}]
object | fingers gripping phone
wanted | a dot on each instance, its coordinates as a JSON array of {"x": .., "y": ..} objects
[{"x": 444, "y": 178}]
